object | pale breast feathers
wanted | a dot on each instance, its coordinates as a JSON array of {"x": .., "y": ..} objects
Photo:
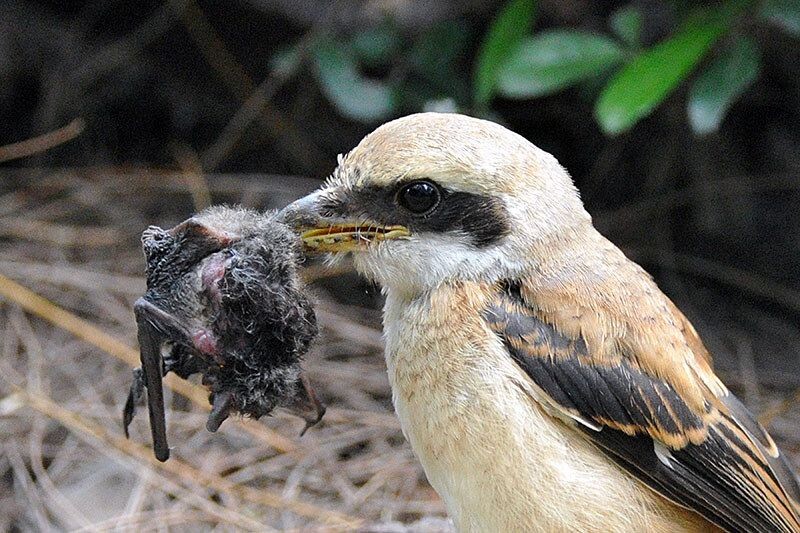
[{"x": 675, "y": 428}]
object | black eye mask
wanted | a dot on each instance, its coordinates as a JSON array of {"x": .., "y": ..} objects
[
  {"x": 482, "y": 218},
  {"x": 224, "y": 299}
]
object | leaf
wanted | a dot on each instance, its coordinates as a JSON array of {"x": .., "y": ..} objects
[
  {"x": 355, "y": 96},
  {"x": 718, "y": 87},
  {"x": 375, "y": 46},
  {"x": 626, "y": 23},
  {"x": 550, "y": 61},
  {"x": 782, "y": 13},
  {"x": 439, "y": 47},
  {"x": 436, "y": 60},
  {"x": 508, "y": 28},
  {"x": 648, "y": 79}
]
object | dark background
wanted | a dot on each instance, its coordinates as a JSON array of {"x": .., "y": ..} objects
[{"x": 202, "y": 88}]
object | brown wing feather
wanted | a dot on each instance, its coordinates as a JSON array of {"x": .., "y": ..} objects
[{"x": 710, "y": 455}]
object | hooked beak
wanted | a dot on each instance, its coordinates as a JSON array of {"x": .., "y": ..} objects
[{"x": 321, "y": 233}]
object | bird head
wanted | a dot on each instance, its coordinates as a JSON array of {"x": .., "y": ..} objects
[{"x": 434, "y": 197}]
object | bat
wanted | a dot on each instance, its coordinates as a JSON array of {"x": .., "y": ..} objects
[{"x": 224, "y": 299}]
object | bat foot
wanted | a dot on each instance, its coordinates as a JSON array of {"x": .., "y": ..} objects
[
  {"x": 311, "y": 422},
  {"x": 307, "y": 406},
  {"x": 134, "y": 398},
  {"x": 220, "y": 410}
]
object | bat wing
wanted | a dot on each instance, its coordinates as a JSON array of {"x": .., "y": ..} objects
[
  {"x": 709, "y": 456},
  {"x": 155, "y": 326}
]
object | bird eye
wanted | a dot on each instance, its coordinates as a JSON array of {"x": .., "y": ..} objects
[{"x": 419, "y": 197}]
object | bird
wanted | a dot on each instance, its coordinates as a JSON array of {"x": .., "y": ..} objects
[{"x": 542, "y": 378}]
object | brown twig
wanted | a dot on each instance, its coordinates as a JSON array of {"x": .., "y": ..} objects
[
  {"x": 42, "y": 143},
  {"x": 658, "y": 206},
  {"x": 70, "y": 276},
  {"x": 58, "y": 234},
  {"x": 748, "y": 281},
  {"x": 769, "y": 415},
  {"x": 255, "y": 99},
  {"x": 231, "y": 73},
  {"x": 193, "y": 175},
  {"x": 164, "y": 179}
]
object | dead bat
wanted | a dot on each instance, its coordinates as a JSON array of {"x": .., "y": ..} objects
[{"x": 224, "y": 299}]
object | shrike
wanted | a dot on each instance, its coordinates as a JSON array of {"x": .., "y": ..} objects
[{"x": 541, "y": 377}]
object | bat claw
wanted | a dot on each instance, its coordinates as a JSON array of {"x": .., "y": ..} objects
[
  {"x": 134, "y": 397},
  {"x": 222, "y": 407},
  {"x": 307, "y": 406},
  {"x": 311, "y": 422}
]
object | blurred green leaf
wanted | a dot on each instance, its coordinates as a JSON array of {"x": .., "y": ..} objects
[
  {"x": 375, "y": 46},
  {"x": 626, "y": 23},
  {"x": 783, "y": 13},
  {"x": 510, "y": 26},
  {"x": 719, "y": 85},
  {"x": 552, "y": 60},
  {"x": 647, "y": 80},
  {"x": 436, "y": 60},
  {"x": 355, "y": 96},
  {"x": 438, "y": 47}
]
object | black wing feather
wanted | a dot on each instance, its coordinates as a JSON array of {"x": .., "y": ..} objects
[{"x": 722, "y": 465}]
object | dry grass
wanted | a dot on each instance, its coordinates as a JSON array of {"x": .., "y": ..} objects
[{"x": 70, "y": 268}]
